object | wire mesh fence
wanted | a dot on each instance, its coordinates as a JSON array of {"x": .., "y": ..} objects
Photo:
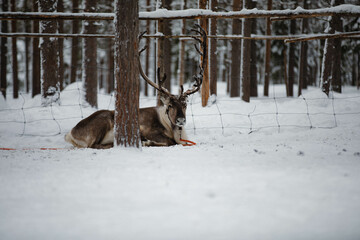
[{"x": 26, "y": 117}]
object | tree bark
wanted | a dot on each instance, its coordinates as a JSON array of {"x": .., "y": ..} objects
[
  {"x": 167, "y": 47},
  {"x": 27, "y": 49},
  {"x": 50, "y": 86},
  {"x": 127, "y": 133},
  {"x": 182, "y": 50},
  {"x": 60, "y": 8},
  {"x": 267, "y": 53},
  {"x": 235, "y": 53},
  {"x": 14, "y": 55},
  {"x": 4, "y": 50},
  {"x": 213, "y": 52},
  {"x": 205, "y": 88},
  {"x": 291, "y": 66},
  {"x": 303, "y": 74},
  {"x": 246, "y": 55},
  {"x": 74, "y": 44},
  {"x": 35, "y": 55},
  {"x": 148, "y": 49},
  {"x": 336, "y": 69},
  {"x": 89, "y": 58},
  {"x": 253, "y": 60}
]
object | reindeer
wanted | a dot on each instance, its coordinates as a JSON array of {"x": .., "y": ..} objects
[{"x": 159, "y": 126}]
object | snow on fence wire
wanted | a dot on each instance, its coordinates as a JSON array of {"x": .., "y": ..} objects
[{"x": 26, "y": 116}]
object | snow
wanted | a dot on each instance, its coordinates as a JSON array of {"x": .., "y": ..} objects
[{"x": 292, "y": 182}]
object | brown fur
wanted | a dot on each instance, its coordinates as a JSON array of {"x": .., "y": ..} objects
[{"x": 157, "y": 127}]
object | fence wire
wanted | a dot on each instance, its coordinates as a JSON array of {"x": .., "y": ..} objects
[{"x": 223, "y": 114}]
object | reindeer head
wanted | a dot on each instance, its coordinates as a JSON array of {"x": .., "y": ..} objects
[{"x": 176, "y": 104}]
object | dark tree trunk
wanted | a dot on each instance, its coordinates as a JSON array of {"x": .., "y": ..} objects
[
  {"x": 167, "y": 47},
  {"x": 160, "y": 58},
  {"x": 336, "y": 69},
  {"x": 291, "y": 66},
  {"x": 331, "y": 66},
  {"x": 61, "y": 46},
  {"x": 110, "y": 73},
  {"x": 235, "y": 53},
  {"x": 182, "y": 50},
  {"x": 205, "y": 88},
  {"x": 101, "y": 74},
  {"x": 267, "y": 53},
  {"x": 4, "y": 50},
  {"x": 126, "y": 128},
  {"x": 246, "y": 55},
  {"x": 35, "y": 55},
  {"x": 90, "y": 57},
  {"x": 213, "y": 52},
  {"x": 147, "y": 57},
  {"x": 75, "y": 44},
  {"x": 253, "y": 62},
  {"x": 14, "y": 55},
  {"x": 303, "y": 75},
  {"x": 50, "y": 86},
  {"x": 27, "y": 48}
]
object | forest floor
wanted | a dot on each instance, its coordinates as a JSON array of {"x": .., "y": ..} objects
[{"x": 274, "y": 168}]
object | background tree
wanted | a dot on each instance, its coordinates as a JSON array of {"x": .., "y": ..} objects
[
  {"x": 50, "y": 85},
  {"x": 246, "y": 55},
  {"x": 35, "y": 55},
  {"x": 89, "y": 60},
  {"x": 126, "y": 21},
  {"x": 235, "y": 53},
  {"x": 74, "y": 44},
  {"x": 14, "y": 55},
  {"x": 4, "y": 50}
]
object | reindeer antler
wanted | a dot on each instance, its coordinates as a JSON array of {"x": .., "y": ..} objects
[
  {"x": 202, "y": 51},
  {"x": 146, "y": 78}
]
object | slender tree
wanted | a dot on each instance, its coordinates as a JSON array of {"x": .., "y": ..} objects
[
  {"x": 27, "y": 48},
  {"x": 90, "y": 58},
  {"x": 267, "y": 53},
  {"x": 303, "y": 75},
  {"x": 235, "y": 53},
  {"x": 35, "y": 55},
  {"x": 253, "y": 58},
  {"x": 167, "y": 47},
  {"x": 4, "y": 50},
  {"x": 14, "y": 55},
  {"x": 60, "y": 8},
  {"x": 50, "y": 85},
  {"x": 291, "y": 65},
  {"x": 246, "y": 56},
  {"x": 110, "y": 73},
  {"x": 126, "y": 21},
  {"x": 74, "y": 44},
  {"x": 182, "y": 49},
  {"x": 213, "y": 52},
  {"x": 204, "y": 23}
]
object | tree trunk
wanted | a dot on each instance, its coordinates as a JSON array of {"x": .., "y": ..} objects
[
  {"x": 148, "y": 49},
  {"x": 303, "y": 75},
  {"x": 4, "y": 50},
  {"x": 35, "y": 55},
  {"x": 253, "y": 61},
  {"x": 167, "y": 47},
  {"x": 61, "y": 46},
  {"x": 160, "y": 59},
  {"x": 182, "y": 50},
  {"x": 336, "y": 69},
  {"x": 213, "y": 52},
  {"x": 14, "y": 55},
  {"x": 75, "y": 44},
  {"x": 246, "y": 55},
  {"x": 285, "y": 71},
  {"x": 127, "y": 133},
  {"x": 235, "y": 53},
  {"x": 110, "y": 74},
  {"x": 50, "y": 86},
  {"x": 205, "y": 88},
  {"x": 291, "y": 66},
  {"x": 89, "y": 58},
  {"x": 27, "y": 48},
  {"x": 267, "y": 53}
]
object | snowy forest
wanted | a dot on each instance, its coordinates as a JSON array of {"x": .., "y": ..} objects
[{"x": 270, "y": 61}]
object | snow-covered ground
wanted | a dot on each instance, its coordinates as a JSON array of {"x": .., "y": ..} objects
[{"x": 247, "y": 178}]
